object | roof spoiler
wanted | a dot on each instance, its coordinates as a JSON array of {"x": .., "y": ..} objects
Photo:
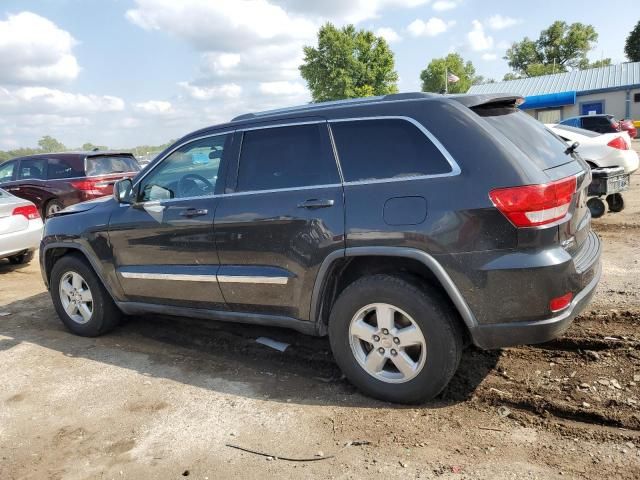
[{"x": 489, "y": 100}]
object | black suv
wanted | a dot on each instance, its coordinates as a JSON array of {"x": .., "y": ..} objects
[{"x": 403, "y": 226}]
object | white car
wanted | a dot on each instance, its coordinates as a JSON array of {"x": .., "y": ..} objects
[
  {"x": 600, "y": 150},
  {"x": 20, "y": 228}
]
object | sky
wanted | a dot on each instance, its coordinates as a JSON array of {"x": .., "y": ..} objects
[{"x": 123, "y": 73}]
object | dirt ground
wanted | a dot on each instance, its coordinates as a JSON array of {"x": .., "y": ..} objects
[{"x": 162, "y": 398}]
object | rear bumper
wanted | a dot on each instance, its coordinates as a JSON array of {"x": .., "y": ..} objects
[
  {"x": 16, "y": 242},
  {"x": 500, "y": 335}
]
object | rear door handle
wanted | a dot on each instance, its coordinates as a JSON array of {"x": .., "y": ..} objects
[
  {"x": 194, "y": 212},
  {"x": 314, "y": 203}
]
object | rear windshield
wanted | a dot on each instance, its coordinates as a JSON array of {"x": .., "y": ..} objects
[
  {"x": 579, "y": 131},
  {"x": 104, "y": 165},
  {"x": 544, "y": 148},
  {"x": 3, "y": 193}
]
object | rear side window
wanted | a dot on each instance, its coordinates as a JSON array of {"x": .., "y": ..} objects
[
  {"x": 32, "y": 168},
  {"x": 590, "y": 122},
  {"x": 61, "y": 168},
  {"x": 531, "y": 137},
  {"x": 286, "y": 157},
  {"x": 104, "y": 165},
  {"x": 385, "y": 148}
]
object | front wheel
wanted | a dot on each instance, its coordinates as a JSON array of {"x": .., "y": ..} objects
[
  {"x": 394, "y": 339},
  {"x": 80, "y": 299}
]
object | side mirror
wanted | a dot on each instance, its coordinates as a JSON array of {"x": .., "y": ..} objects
[{"x": 122, "y": 190}]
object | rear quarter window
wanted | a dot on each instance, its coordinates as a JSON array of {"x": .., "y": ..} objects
[
  {"x": 374, "y": 149},
  {"x": 105, "y": 165}
]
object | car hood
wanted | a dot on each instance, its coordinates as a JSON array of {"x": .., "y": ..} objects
[{"x": 85, "y": 206}]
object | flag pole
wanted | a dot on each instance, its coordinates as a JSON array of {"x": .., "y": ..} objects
[{"x": 446, "y": 80}]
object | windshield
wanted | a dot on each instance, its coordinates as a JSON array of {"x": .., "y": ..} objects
[{"x": 104, "y": 165}]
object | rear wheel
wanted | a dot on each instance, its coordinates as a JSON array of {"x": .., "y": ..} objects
[
  {"x": 395, "y": 340},
  {"x": 80, "y": 299},
  {"x": 596, "y": 207},
  {"x": 52, "y": 207},
  {"x": 615, "y": 202}
]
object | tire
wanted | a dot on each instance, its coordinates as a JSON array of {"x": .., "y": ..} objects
[
  {"x": 596, "y": 207},
  {"x": 104, "y": 314},
  {"x": 615, "y": 202},
  {"x": 52, "y": 206},
  {"x": 414, "y": 304},
  {"x": 24, "y": 257}
]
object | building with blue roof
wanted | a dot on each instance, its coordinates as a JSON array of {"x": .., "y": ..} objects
[{"x": 552, "y": 98}]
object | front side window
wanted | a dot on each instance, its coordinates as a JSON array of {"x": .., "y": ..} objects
[
  {"x": 190, "y": 171},
  {"x": 32, "y": 168},
  {"x": 385, "y": 148},
  {"x": 6, "y": 171},
  {"x": 286, "y": 157}
]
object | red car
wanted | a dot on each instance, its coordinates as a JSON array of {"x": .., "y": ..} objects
[
  {"x": 54, "y": 181},
  {"x": 629, "y": 127}
]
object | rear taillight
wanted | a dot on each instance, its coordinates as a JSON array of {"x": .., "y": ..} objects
[
  {"x": 30, "y": 212},
  {"x": 534, "y": 205},
  {"x": 618, "y": 143},
  {"x": 92, "y": 187}
]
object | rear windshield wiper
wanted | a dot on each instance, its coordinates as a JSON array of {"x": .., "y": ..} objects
[{"x": 572, "y": 148}]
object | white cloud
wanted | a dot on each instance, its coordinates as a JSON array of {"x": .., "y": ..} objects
[
  {"x": 389, "y": 34},
  {"x": 34, "y": 50},
  {"x": 432, "y": 27},
  {"x": 282, "y": 88},
  {"x": 489, "y": 56},
  {"x": 352, "y": 11},
  {"x": 227, "y": 90},
  {"x": 155, "y": 107},
  {"x": 477, "y": 39},
  {"x": 442, "y": 5},
  {"x": 499, "y": 22},
  {"x": 49, "y": 100}
]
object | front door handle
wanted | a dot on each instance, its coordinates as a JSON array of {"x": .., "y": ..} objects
[
  {"x": 314, "y": 203},
  {"x": 194, "y": 212}
]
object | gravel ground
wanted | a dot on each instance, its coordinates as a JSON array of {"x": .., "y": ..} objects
[{"x": 162, "y": 398}]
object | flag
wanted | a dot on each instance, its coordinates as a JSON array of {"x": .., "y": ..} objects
[{"x": 451, "y": 78}]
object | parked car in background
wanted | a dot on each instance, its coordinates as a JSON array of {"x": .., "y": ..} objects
[
  {"x": 366, "y": 219},
  {"x": 629, "y": 127},
  {"x": 20, "y": 228},
  {"x": 53, "y": 181},
  {"x": 600, "y": 150},
  {"x": 601, "y": 123}
]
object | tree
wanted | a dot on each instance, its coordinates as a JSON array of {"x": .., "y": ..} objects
[
  {"x": 49, "y": 144},
  {"x": 348, "y": 63},
  {"x": 632, "y": 45},
  {"x": 87, "y": 147},
  {"x": 433, "y": 76},
  {"x": 558, "y": 48}
]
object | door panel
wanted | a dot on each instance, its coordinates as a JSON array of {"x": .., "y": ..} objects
[
  {"x": 270, "y": 249},
  {"x": 163, "y": 244}
]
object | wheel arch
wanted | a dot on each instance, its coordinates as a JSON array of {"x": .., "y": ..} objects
[{"x": 324, "y": 287}]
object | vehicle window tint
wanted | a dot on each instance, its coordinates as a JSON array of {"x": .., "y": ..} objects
[
  {"x": 6, "y": 171},
  {"x": 190, "y": 171},
  {"x": 286, "y": 157},
  {"x": 60, "y": 168},
  {"x": 530, "y": 136},
  {"x": 590, "y": 122},
  {"x": 32, "y": 168},
  {"x": 385, "y": 148},
  {"x": 104, "y": 165}
]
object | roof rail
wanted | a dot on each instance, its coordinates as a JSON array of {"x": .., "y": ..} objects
[{"x": 335, "y": 103}]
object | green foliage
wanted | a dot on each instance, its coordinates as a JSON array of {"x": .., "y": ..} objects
[
  {"x": 558, "y": 48},
  {"x": 433, "y": 77},
  {"x": 632, "y": 45},
  {"x": 49, "y": 144},
  {"x": 87, "y": 147},
  {"x": 348, "y": 63}
]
